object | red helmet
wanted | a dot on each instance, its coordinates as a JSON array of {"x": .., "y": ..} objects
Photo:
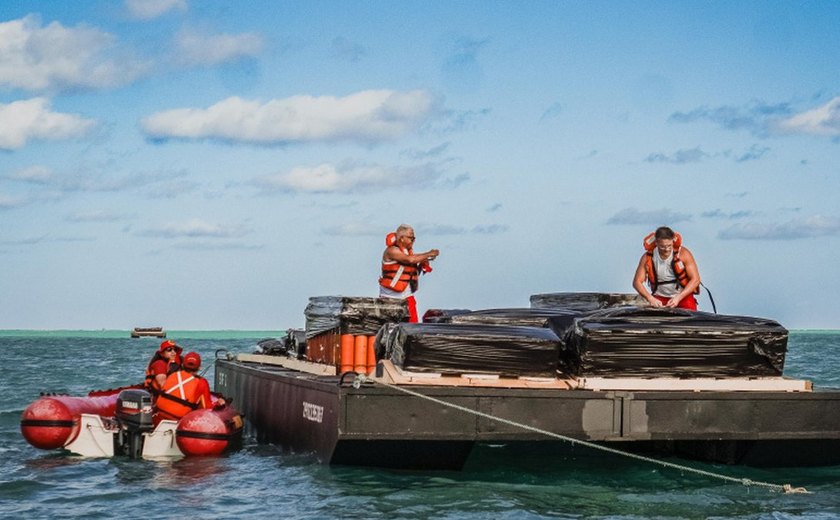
[
  {"x": 168, "y": 344},
  {"x": 192, "y": 361}
]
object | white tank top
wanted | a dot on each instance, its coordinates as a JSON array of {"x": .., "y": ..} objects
[{"x": 664, "y": 273}]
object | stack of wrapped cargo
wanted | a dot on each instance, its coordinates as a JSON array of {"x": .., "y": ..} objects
[
  {"x": 558, "y": 320},
  {"x": 340, "y": 330},
  {"x": 648, "y": 342},
  {"x": 450, "y": 348},
  {"x": 585, "y": 301}
]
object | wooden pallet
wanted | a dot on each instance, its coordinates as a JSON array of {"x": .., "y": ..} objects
[
  {"x": 395, "y": 375},
  {"x": 290, "y": 363},
  {"x": 697, "y": 384}
]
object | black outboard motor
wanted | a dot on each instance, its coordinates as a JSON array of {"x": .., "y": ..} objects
[{"x": 134, "y": 417}]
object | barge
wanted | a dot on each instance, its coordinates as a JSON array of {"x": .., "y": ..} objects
[
  {"x": 409, "y": 412},
  {"x": 148, "y": 332}
]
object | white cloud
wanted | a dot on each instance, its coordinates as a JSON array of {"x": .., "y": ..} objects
[
  {"x": 368, "y": 116},
  {"x": 815, "y": 226},
  {"x": 55, "y": 57},
  {"x": 21, "y": 121},
  {"x": 823, "y": 120},
  {"x": 7, "y": 202},
  {"x": 96, "y": 181},
  {"x": 196, "y": 228},
  {"x": 354, "y": 229},
  {"x": 353, "y": 177},
  {"x": 34, "y": 175},
  {"x": 657, "y": 217},
  {"x": 149, "y": 9},
  {"x": 217, "y": 246},
  {"x": 194, "y": 48},
  {"x": 98, "y": 215},
  {"x": 684, "y": 156}
]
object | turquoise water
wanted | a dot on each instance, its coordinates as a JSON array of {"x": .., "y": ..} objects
[{"x": 264, "y": 482}]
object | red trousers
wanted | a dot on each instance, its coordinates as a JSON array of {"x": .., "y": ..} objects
[
  {"x": 412, "y": 309},
  {"x": 689, "y": 302}
]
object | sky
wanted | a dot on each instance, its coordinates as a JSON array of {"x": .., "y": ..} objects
[{"x": 212, "y": 165}]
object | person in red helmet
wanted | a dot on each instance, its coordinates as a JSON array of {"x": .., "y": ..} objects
[
  {"x": 166, "y": 360},
  {"x": 401, "y": 268},
  {"x": 184, "y": 390}
]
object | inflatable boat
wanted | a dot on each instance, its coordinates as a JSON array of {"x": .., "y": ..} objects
[{"x": 120, "y": 422}]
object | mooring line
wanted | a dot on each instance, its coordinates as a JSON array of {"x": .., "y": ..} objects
[{"x": 785, "y": 488}]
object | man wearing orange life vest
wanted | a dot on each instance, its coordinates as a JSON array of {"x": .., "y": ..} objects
[
  {"x": 401, "y": 268},
  {"x": 183, "y": 391},
  {"x": 669, "y": 269}
]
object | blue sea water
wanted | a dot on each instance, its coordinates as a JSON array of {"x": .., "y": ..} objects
[{"x": 262, "y": 481}]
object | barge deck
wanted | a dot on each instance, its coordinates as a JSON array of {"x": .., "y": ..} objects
[{"x": 775, "y": 422}]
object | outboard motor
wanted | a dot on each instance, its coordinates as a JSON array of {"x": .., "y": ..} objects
[{"x": 134, "y": 417}]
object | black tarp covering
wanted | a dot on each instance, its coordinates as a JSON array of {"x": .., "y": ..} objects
[
  {"x": 457, "y": 349},
  {"x": 274, "y": 346},
  {"x": 558, "y": 320},
  {"x": 585, "y": 301},
  {"x": 520, "y": 317},
  {"x": 645, "y": 342},
  {"x": 292, "y": 344},
  {"x": 442, "y": 315},
  {"x": 352, "y": 315}
]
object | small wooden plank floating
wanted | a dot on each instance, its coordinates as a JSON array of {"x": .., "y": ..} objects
[{"x": 154, "y": 332}]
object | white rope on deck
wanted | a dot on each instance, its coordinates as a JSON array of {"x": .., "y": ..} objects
[{"x": 786, "y": 488}]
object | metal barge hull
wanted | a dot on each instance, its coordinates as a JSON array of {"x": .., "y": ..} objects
[{"x": 375, "y": 425}]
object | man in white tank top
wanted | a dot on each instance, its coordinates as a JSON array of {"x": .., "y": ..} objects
[
  {"x": 398, "y": 260},
  {"x": 669, "y": 288}
]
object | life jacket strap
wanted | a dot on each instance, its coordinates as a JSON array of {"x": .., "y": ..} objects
[{"x": 164, "y": 395}]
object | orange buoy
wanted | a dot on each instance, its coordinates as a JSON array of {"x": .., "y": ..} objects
[
  {"x": 347, "y": 355},
  {"x": 360, "y": 359},
  {"x": 208, "y": 432},
  {"x": 371, "y": 353}
]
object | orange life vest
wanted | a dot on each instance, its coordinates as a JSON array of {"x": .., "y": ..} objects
[
  {"x": 179, "y": 395},
  {"x": 397, "y": 276},
  {"x": 676, "y": 264}
]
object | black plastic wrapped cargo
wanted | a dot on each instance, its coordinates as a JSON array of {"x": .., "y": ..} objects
[
  {"x": 274, "y": 346},
  {"x": 648, "y": 342},
  {"x": 585, "y": 301},
  {"x": 442, "y": 315},
  {"x": 558, "y": 320},
  {"x": 518, "y": 317},
  {"x": 352, "y": 315},
  {"x": 476, "y": 349}
]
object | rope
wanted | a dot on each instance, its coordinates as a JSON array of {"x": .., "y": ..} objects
[
  {"x": 95, "y": 440},
  {"x": 786, "y": 488},
  {"x": 711, "y": 298}
]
